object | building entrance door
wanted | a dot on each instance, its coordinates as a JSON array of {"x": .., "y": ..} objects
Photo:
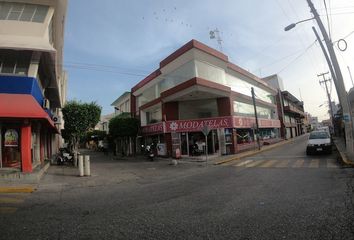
[{"x": 184, "y": 144}]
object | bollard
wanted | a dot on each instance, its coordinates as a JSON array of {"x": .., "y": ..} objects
[
  {"x": 87, "y": 168},
  {"x": 81, "y": 165},
  {"x": 75, "y": 159}
]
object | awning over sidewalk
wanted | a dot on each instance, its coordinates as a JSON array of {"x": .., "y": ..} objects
[{"x": 22, "y": 106}]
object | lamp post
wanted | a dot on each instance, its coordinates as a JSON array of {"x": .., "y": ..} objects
[{"x": 336, "y": 75}]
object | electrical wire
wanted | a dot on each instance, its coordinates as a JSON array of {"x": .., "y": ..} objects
[
  {"x": 312, "y": 58},
  {"x": 298, "y": 57}
]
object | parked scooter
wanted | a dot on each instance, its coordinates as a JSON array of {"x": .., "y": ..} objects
[
  {"x": 149, "y": 151},
  {"x": 64, "y": 157}
]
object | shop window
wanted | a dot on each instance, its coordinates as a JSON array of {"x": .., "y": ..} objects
[
  {"x": 14, "y": 62},
  {"x": 23, "y": 12},
  {"x": 10, "y": 146},
  {"x": 244, "y": 136}
]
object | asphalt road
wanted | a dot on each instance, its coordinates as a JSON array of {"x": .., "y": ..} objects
[{"x": 280, "y": 194}]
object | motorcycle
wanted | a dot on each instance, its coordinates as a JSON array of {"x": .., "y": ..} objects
[
  {"x": 149, "y": 151},
  {"x": 64, "y": 156}
]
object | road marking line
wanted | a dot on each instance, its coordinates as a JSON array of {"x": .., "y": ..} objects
[
  {"x": 243, "y": 163},
  {"x": 7, "y": 210},
  {"x": 16, "y": 189},
  {"x": 281, "y": 164},
  {"x": 255, "y": 163},
  {"x": 267, "y": 164},
  {"x": 331, "y": 164},
  {"x": 299, "y": 163},
  {"x": 315, "y": 163},
  {"x": 10, "y": 200}
]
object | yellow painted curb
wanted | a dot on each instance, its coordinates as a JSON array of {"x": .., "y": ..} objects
[
  {"x": 16, "y": 189},
  {"x": 344, "y": 158}
]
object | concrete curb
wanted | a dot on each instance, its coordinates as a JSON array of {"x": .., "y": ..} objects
[
  {"x": 254, "y": 152},
  {"x": 343, "y": 157},
  {"x": 19, "y": 177}
]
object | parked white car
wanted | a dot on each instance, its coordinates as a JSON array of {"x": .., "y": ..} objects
[{"x": 319, "y": 141}]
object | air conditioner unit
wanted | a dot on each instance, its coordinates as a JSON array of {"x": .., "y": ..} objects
[
  {"x": 56, "y": 119},
  {"x": 46, "y": 104}
]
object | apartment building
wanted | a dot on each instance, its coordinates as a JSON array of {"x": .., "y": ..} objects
[
  {"x": 291, "y": 110},
  {"x": 32, "y": 81},
  {"x": 197, "y": 87}
]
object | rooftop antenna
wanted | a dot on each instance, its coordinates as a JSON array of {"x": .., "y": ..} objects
[
  {"x": 300, "y": 94},
  {"x": 215, "y": 34}
]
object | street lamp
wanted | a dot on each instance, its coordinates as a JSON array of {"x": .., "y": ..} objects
[
  {"x": 291, "y": 26},
  {"x": 336, "y": 74}
]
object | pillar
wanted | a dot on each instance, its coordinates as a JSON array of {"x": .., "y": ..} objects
[{"x": 26, "y": 149}]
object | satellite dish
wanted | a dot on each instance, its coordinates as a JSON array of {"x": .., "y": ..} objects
[{"x": 212, "y": 34}]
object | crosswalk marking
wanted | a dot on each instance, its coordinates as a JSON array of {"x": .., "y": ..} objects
[
  {"x": 285, "y": 163},
  {"x": 299, "y": 163},
  {"x": 281, "y": 164},
  {"x": 10, "y": 200},
  {"x": 243, "y": 163},
  {"x": 254, "y": 163},
  {"x": 267, "y": 164},
  {"x": 331, "y": 164},
  {"x": 7, "y": 210},
  {"x": 315, "y": 163}
]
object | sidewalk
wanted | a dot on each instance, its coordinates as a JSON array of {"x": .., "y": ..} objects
[
  {"x": 344, "y": 156},
  {"x": 108, "y": 169}
]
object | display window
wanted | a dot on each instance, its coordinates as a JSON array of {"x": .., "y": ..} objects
[{"x": 10, "y": 147}]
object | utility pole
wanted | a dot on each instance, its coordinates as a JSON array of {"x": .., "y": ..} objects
[
  {"x": 342, "y": 94},
  {"x": 256, "y": 116},
  {"x": 324, "y": 81}
]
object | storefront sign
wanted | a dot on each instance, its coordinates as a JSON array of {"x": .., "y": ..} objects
[
  {"x": 198, "y": 125},
  {"x": 247, "y": 122},
  {"x": 152, "y": 129},
  {"x": 161, "y": 149},
  {"x": 211, "y": 123},
  {"x": 11, "y": 138}
]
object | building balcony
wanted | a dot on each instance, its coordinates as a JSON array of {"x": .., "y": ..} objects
[{"x": 294, "y": 111}]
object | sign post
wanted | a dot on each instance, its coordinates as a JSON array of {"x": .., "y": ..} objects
[{"x": 205, "y": 131}]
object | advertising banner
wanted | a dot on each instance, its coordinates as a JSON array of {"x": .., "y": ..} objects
[{"x": 11, "y": 138}]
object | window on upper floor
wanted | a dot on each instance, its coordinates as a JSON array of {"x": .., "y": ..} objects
[
  {"x": 14, "y": 62},
  {"x": 23, "y": 12},
  {"x": 242, "y": 86},
  {"x": 247, "y": 110}
]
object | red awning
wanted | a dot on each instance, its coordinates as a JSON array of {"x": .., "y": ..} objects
[{"x": 22, "y": 106}]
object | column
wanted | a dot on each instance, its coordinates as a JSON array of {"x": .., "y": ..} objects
[{"x": 26, "y": 149}]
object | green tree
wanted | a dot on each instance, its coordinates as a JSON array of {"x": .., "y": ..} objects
[
  {"x": 124, "y": 130},
  {"x": 79, "y": 118}
]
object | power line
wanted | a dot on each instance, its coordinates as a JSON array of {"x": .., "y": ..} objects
[{"x": 297, "y": 57}]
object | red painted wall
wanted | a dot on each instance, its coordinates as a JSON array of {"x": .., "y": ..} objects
[
  {"x": 224, "y": 107},
  {"x": 170, "y": 110}
]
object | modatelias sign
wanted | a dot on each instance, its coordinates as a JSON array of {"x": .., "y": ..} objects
[{"x": 198, "y": 125}]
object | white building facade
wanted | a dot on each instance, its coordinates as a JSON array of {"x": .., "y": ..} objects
[
  {"x": 197, "y": 87},
  {"x": 32, "y": 81}
]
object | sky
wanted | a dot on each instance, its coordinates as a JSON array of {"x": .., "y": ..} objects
[{"x": 111, "y": 45}]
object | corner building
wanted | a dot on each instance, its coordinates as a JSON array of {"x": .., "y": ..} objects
[
  {"x": 32, "y": 81},
  {"x": 197, "y": 86}
]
